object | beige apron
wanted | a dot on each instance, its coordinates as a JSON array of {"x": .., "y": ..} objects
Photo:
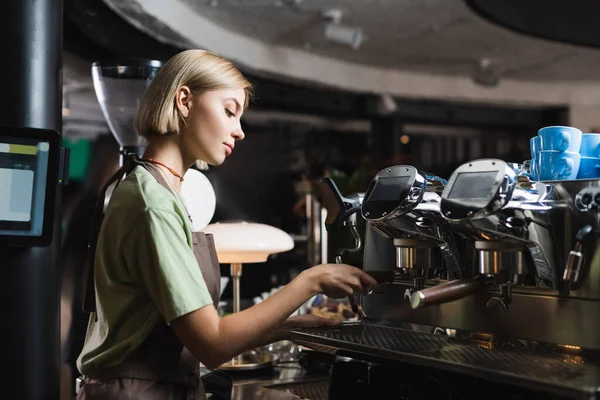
[{"x": 161, "y": 368}]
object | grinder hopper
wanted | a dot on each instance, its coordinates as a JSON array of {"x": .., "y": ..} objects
[{"x": 120, "y": 86}]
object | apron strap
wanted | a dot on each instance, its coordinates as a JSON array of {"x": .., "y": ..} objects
[{"x": 89, "y": 295}]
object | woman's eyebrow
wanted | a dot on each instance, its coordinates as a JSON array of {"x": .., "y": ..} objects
[{"x": 237, "y": 103}]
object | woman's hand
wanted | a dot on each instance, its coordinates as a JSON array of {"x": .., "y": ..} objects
[
  {"x": 308, "y": 321},
  {"x": 339, "y": 280}
]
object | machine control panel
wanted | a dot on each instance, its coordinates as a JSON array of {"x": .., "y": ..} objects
[
  {"x": 396, "y": 188},
  {"x": 477, "y": 189}
]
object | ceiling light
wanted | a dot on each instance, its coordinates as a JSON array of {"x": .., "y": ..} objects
[
  {"x": 342, "y": 34},
  {"x": 350, "y": 36},
  {"x": 487, "y": 72}
]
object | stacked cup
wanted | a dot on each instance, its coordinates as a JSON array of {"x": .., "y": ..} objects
[
  {"x": 589, "y": 167},
  {"x": 555, "y": 153}
]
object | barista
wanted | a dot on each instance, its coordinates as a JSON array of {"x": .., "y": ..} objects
[{"x": 156, "y": 283}]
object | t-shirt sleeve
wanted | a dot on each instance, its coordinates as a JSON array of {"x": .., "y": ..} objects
[{"x": 158, "y": 254}]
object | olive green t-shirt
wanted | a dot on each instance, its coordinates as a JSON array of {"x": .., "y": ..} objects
[{"x": 145, "y": 270}]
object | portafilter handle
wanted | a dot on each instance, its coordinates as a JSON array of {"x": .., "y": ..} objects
[
  {"x": 447, "y": 292},
  {"x": 573, "y": 267},
  {"x": 340, "y": 209}
]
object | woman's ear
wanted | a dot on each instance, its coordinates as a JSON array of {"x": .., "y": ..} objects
[{"x": 183, "y": 100}]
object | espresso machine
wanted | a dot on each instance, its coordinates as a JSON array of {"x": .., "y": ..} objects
[
  {"x": 505, "y": 304},
  {"x": 424, "y": 247}
]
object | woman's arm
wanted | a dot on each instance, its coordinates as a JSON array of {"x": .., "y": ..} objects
[{"x": 214, "y": 340}]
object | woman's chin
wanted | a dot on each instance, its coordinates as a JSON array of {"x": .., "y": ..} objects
[{"x": 215, "y": 162}]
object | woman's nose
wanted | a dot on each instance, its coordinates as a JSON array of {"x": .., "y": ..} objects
[{"x": 239, "y": 134}]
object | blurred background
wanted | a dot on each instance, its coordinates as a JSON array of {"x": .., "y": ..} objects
[{"x": 343, "y": 89}]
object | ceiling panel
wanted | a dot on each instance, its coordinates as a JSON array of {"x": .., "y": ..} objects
[{"x": 435, "y": 36}]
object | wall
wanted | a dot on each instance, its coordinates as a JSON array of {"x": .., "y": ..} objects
[{"x": 585, "y": 117}]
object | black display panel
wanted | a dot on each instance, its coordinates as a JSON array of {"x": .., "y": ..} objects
[
  {"x": 473, "y": 185},
  {"x": 389, "y": 189},
  {"x": 28, "y": 180}
]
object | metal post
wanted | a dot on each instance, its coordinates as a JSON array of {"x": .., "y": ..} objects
[
  {"x": 236, "y": 274},
  {"x": 31, "y": 72}
]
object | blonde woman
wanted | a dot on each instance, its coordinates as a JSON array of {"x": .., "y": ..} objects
[{"x": 155, "y": 283}]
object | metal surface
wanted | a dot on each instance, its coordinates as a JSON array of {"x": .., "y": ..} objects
[
  {"x": 542, "y": 218},
  {"x": 421, "y": 256},
  {"x": 236, "y": 274},
  {"x": 519, "y": 240},
  {"x": 283, "y": 382},
  {"x": 416, "y": 218},
  {"x": 239, "y": 364},
  {"x": 259, "y": 392},
  {"x": 32, "y": 73},
  {"x": 313, "y": 229},
  {"x": 312, "y": 389},
  {"x": 494, "y": 261},
  {"x": 545, "y": 369},
  {"x": 534, "y": 314}
]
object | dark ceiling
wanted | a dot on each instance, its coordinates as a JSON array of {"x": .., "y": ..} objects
[{"x": 566, "y": 21}]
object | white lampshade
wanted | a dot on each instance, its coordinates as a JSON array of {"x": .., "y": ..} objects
[
  {"x": 199, "y": 197},
  {"x": 247, "y": 242}
]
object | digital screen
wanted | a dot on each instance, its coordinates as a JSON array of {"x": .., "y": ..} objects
[
  {"x": 23, "y": 179},
  {"x": 473, "y": 185},
  {"x": 389, "y": 189}
]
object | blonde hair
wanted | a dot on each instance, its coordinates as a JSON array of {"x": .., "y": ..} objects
[{"x": 199, "y": 70}]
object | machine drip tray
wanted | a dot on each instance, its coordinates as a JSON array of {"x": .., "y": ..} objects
[{"x": 573, "y": 375}]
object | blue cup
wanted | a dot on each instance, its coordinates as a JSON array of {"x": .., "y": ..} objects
[
  {"x": 554, "y": 165},
  {"x": 560, "y": 138},
  {"x": 590, "y": 145},
  {"x": 530, "y": 169},
  {"x": 589, "y": 168},
  {"x": 535, "y": 145}
]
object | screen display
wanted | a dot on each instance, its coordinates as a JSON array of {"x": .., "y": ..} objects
[
  {"x": 389, "y": 189},
  {"x": 23, "y": 179},
  {"x": 473, "y": 185}
]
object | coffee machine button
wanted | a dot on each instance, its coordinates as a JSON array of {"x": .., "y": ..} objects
[
  {"x": 415, "y": 193},
  {"x": 597, "y": 199},
  {"x": 586, "y": 199}
]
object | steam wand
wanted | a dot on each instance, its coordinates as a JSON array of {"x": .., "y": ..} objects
[{"x": 573, "y": 267}]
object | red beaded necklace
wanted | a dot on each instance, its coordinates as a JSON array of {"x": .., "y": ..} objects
[{"x": 171, "y": 170}]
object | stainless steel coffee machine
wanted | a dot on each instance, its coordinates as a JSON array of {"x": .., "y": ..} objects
[
  {"x": 403, "y": 205},
  {"x": 522, "y": 302},
  {"x": 535, "y": 249}
]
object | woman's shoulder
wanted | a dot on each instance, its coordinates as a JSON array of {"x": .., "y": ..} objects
[{"x": 141, "y": 192}]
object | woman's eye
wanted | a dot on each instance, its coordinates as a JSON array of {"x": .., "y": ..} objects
[{"x": 229, "y": 113}]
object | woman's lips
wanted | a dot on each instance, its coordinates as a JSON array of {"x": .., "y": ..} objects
[{"x": 228, "y": 148}]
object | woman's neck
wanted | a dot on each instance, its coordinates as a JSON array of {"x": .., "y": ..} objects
[{"x": 166, "y": 149}]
